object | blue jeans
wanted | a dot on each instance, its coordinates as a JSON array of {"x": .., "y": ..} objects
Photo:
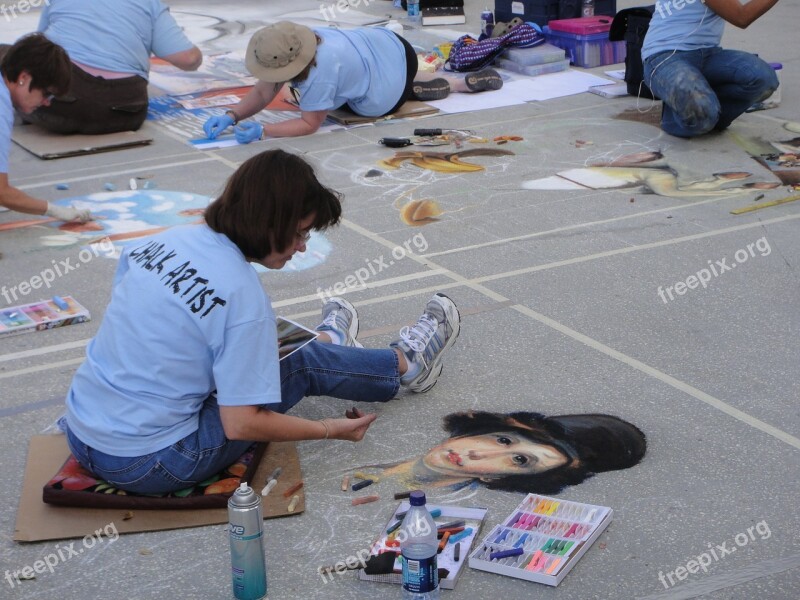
[
  {"x": 706, "y": 89},
  {"x": 317, "y": 369}
]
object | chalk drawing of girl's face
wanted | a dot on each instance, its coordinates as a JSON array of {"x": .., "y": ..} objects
[{"x": 492, "y": 454}]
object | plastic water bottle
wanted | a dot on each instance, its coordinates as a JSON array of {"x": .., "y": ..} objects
[
  {"x": 413, "y": 10},
  {"x": 587, "y": 9},
  {"x": 420, "y": 571},
  {"x": 487, "y": 22},
  {"x": 246, "y": 530}
]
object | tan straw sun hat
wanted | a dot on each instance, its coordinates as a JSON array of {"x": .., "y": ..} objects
[{"x": 279, "y": 52}]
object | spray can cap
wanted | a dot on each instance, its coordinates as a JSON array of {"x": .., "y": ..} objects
[
  {"x": 417, "y": 498},
  {"x": 244, "y": 496}
]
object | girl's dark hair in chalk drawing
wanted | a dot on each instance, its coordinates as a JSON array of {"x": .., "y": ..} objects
[
  {"x": 265, "y": 200},
  {"x": 521, "y": 452},
  {"x": 591, "y": 443}
]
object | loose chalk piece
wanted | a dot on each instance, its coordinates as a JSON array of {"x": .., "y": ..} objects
[
  {"x": 293, "y": 503},
  {"x": 345, "y": 483},
  {"x": 109, "y": 187},
  {"x": 362, "y": 475},
  {"x": 275, "y": 474},
  {"x": 268, "y": 488},
  {"x": 402, "y": 495},
  {"x": 361, "y": 484},
  {"x": 364, "y": 500},
  {"x": 132, "y": 184},
  {"x": 62, "y": 186},
  {"x": 292, "y": 489}
]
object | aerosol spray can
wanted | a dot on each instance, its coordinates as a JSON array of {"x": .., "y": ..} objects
[
  {"x": 487, "y": 22},
  {"x": 246, "y": 529}
]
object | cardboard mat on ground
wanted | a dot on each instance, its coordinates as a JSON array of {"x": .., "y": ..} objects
[
  {"x": 37, "y": 521},
  {"x": 47, "y": 145},
  {"x": 412, "y": 108}
]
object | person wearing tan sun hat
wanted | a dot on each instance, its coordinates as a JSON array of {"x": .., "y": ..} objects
[{"x": 372, "y": 71}]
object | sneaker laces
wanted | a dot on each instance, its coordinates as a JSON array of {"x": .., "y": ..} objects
[
  {"x": 330, "y": 320},
  {"x": 418, "y": 336}
]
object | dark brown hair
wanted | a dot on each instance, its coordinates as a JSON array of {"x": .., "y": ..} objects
[
  {"x": 303, "y": 75},
  {"x": 47, "y": 63},
  {"x": 265, "y": 200},
  {"x": 592, "y": 443}
]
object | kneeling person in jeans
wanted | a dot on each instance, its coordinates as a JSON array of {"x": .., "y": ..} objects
[{"x": 703, "y": 86}]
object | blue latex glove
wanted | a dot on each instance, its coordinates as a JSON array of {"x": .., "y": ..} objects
[
  {"x": 216, "y": 125},
  {"x": 247, "y": 132}
]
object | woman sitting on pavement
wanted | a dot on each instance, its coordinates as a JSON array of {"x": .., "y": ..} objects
[
  {"x": 183, "y": 374},
  {"x": 372, "y": 71},
  {"x": 110, "y": 44},
  {"x": 32, "y": 72}
]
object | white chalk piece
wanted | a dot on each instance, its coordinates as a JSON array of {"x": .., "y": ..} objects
[
  {"x": 268, "y": 488},
  {"x": 132, "y": 184},
  {"x": 293, "y": 503}
]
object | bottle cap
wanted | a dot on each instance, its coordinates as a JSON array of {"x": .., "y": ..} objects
[{"x": 417, "y": 498}]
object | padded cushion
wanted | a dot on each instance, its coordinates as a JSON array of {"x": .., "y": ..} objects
[{"x": 75, "y": 486}]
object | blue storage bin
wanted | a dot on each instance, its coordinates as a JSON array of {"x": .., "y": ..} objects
[{"x": 587, "y": 51}]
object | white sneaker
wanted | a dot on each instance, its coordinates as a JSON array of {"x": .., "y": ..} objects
[
  {"x": 340, "y": 318},
  {"x": 424, "y": 343}
]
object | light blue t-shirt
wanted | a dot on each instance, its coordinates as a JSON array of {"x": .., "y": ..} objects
[
  {"x": 363, "y": 68},
  {"x": 6, "y": 123},
  {"x": 114, "y": 35},
  {"x": 682, "y": 25},
  {"x": 187, "y": 316}
]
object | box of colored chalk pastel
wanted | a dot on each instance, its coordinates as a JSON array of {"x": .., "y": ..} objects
[
  {"x": 45, "y": 314},
  {"x": 457, "y": 528},
  {"x": 541, "y": 540}
]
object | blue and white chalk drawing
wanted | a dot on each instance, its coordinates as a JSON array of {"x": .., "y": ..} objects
[{"x": 126, "y": 216}]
